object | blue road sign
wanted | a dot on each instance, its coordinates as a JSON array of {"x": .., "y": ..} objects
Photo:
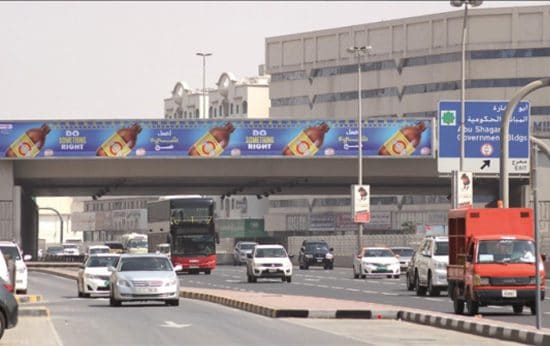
[{"x": 482, "y": 136}]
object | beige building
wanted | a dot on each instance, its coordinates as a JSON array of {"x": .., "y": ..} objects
[
  {"x": 414, "y": 63},
  {"x": 233, "y": 98}
]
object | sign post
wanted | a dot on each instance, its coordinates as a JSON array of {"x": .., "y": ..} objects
[{"x": 360, "y": 197}]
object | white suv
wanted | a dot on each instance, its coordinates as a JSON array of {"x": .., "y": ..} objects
[
  {"x": 430, "y": 266},
  {"x": 268, "y": 261},
  {"x": 11, "y": 249}
]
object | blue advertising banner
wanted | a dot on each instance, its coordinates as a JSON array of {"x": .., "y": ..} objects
[
  {"x": 482, "y": 125},
  {"x": 213, "y": 138}
]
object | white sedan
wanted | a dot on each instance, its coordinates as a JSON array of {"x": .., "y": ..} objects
[
  {"x": 144, "y": 277},
  {"x": 376, "y": 262},
  {"x": 94, "y": 276},
  {"x": 268, "y": 261}
]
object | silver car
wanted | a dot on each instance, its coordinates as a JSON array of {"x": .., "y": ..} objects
[
  {"x": 242, "y": 249},
  {"x": 144, "y": 277}
]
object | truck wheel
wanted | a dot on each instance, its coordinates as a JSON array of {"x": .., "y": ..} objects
[
  {"x": 432, "y": 291},
  {"x": 518, "y": 308},
  {"x": 289, "y": 279},
  {"x": 207, "y": 271},
  {"x": 472, "y": 306},
  {"x": 420, "y": 290},
  {"x": 458, "y": 306}
]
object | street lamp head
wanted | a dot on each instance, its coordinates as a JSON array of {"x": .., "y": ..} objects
[
  {"x": 475, "y": 3},
  {"x": 204, "y": 54},
  {"x": 460, "y": 3},
  {"x": 457, "y": 3}
]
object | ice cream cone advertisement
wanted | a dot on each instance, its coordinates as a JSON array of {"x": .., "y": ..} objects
[
  {"x": 307, "y": 142},
  {"x": 121, "y": 143},
  {"x": 213, "y": 142},
  {"x": 29, "y": 143}
]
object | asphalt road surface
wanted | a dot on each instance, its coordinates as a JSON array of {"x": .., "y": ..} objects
[
  {"x": 340, "y": 284},
  {"x": 80, "y": 321}
]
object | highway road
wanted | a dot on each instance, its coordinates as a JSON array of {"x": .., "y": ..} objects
[
  {"x": 339, "y": 284},
  {"x": 80, "y": 321}
]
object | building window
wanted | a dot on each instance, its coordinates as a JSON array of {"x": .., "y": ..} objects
[
  {"x": 196, "y": 113},
  {"x": 245, "y": 107},
  {"x": 236, "y": 109},
  {"x": 231, "y": 109},
  {"x": 221, "y": 111},
  {"x": 210, "y": 112},
  {"x": 215, "y": 112}
]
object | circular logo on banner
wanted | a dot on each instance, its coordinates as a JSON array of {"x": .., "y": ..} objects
[
  {"x": 398, "y": 147},
  {"x": 24, "y": 149},
  {"x": 208, "y": 148},
  {"x": 486, "y": 149},
  {"x": 115, "y": 148},
  {"x": 302, "y": 148}
]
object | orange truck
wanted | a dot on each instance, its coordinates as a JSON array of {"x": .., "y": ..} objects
[{"x": 491, "y": 259}]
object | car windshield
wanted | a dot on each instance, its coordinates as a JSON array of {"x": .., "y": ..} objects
[
  {"x": 506, "y": 251},
  {"x": 145, "y": 264},
  {"x": 103, "y": 261},
  {"x": 378, "y": 253},
  {"x": 99, "y": 250},
  {"x": 54, "y": 249},
  {"x": 247, "y": 246},
  {"x": 194, "y": 245},
  {"x": 137, "y": 243},
  {"x": 316, "y": 247},
  {"x": 11, "y": 251},
  {"x": 271, "y": 252},
  {"x": 441, "y": 248},
  {"x": 403, "y": 252}
]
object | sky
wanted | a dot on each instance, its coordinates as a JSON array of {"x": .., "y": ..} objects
[{"x": 109, "y": 60}]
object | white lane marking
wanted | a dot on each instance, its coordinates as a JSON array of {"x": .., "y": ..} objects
[
  {"x": 435, "y": 299},
  {"x": 353, "y": 290},
  {"x": 370, "y": 292},
  {"x": 389, "y": 294},
  {"x": 322, "y": 286},
  {"x": 232, "y": 281},
  {"x": 308, "y": 284},
  {"x": 171, "y": 324},
  {"x": 316, "y": 280},
  {"x": 337, "y": 287}
]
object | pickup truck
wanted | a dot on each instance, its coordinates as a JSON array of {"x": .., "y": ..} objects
[{"x": 491, "y": 259}]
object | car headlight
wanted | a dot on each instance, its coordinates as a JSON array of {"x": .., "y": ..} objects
[
  {"x": 171, "y": 282},
  {"x": 329, "y": 255},
  {"x": 124, "y": 283},
  {"x": 481, "y": 281},
  {"x": 309, "y": 256}
]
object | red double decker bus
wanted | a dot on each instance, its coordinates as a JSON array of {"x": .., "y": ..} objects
[{"x": 187, "y": 224}]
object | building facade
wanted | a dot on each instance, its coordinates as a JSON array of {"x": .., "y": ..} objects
[
  {"x": 233, "y": 98},
  {"x": 414, "y": 63}
]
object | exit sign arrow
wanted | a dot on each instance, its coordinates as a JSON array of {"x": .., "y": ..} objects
[{"x": 486, "y": 163}]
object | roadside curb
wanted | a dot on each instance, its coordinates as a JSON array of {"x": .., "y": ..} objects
[
  {"x": 39, "y": 311},
  {"x": 28, "y": 299},
  {"x": 477, "y": 328},
  {"x": 55, "y": 272}
]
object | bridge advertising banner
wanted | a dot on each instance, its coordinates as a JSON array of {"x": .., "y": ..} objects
[{"x": 215, "y": 138}]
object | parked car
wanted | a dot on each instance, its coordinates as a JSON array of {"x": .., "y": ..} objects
[
  {"x": 115, "y": 246},
  {"x": 241, "y": 250},
  {"x": 21, "y": 274},
  {"x": 405, "y": 254},
  {"x": 9, "y": 309},
  {"x": 376, "y": 262},
  {"x": 144, "y": 277},
  {"x": 93, "y": 276},
  {"x": 97, "y": 249},
  {"x": 315, "y": 253},
  {"x": 5, "y": 274},
  {"x": 430, "y": 266},
  {"x": 268, "y": 261}
]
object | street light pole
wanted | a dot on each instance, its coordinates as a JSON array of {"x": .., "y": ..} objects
[
  {"x": 460, "y": 3},
  {"x": 60, "y": 221},
  {"x": 358, "y": 52},
  {"x": 204, "y": 55}
]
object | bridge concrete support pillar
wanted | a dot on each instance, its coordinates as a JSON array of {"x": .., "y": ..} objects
[{"x": 18, "y": 212}]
